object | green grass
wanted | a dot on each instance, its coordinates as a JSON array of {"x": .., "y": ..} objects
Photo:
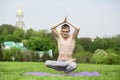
[{"x": 15, "y": 70}]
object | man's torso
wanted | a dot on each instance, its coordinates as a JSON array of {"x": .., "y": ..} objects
[{"x": 66, "y": 48}]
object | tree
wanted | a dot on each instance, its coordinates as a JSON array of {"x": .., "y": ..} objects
[
  {"x": 29, "y": 33},
  {"x": 39, "y": 44},
  {"x": 115, "y": 43},
  {"x": 4, "y": 32},
  {"x": 42, "y": 33},
  {"x": 1, "y": 39},
  {"x": 9, "y": 37},
  {"x": 42, "y": 44},
  {"x": 53, "y": 44},
  {"x": 19, "y": 34},
  {"x": 78, "y": 46},
  {"x": 10, "y": 28},
  {"x": 85, "y": 42},
  {"x": 99, "y": 43}
]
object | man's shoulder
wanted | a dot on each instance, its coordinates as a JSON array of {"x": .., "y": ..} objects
[{"x": 72, "y": 37}]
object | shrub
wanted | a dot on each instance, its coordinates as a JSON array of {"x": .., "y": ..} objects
[
  {"x": 12, "y": 54},
  {"x": 30, "y": 56},
  {"x": 1, "y": 55},
  {"x": 83, "y": 56},
  {"x": 7, "y": 55},
  {"x": 105, "y": 57},
  {"x": 45, "y": 57},
  {"x": 99, "y": 56},
  {"x": 113, "y": 57}
]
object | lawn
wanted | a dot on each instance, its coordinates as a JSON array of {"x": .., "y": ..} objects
[{"x": 15, "y": 70}]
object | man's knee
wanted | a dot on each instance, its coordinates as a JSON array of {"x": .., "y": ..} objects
[
  {"x": 73, "y": 65},
  {"x": 48, "y": 63}
]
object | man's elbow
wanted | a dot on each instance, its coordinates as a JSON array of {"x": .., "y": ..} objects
[
  {"x": 78, "y": 28},
  {"x": 52, "y": 28}
]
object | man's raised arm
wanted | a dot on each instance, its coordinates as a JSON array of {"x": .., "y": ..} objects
[
  {"x": 53, "y": 28},
  {"x": 76, "y": 31}
]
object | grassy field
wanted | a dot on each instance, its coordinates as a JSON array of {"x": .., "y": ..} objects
[{"x": 15, "y": 70}]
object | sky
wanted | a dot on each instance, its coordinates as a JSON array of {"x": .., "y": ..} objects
[{"x": 94, "y": 17}]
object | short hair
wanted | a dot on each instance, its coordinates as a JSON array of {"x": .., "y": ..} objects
[{"x": 64, "y": 26}]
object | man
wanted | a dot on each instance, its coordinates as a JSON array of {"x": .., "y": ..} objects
[{"x": 66, "y": 44}]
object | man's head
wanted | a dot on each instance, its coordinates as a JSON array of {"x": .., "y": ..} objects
[{"x": 65, "y": 29}]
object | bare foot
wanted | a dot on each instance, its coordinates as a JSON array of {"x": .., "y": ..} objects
[{"x": 66, "y": 74}]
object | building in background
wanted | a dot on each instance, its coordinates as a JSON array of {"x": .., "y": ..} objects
[
  {"x": 20, "y": 16},
  {"x": 10, "y": 44}
]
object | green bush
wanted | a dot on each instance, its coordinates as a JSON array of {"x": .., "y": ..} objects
[
  {"x": 45, "y": 57},
  {"x": 30, "y": 56},
  {"x": 113, "y": 57},
  {"x": 1, "y": 55},
  {"x": 7, "y": 55},
  {"x": 12, "y": 54},
  {"x": 83, "y": 56},
  {"x": 105, "y": 57},
  {"x": 99, "y": 57}
]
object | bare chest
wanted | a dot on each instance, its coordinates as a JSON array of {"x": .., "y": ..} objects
[{"x": 66, "y": 45}]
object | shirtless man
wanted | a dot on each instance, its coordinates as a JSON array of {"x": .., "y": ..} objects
[{"x": 66, "y": 44}]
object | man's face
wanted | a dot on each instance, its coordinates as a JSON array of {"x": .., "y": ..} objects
[{"x": 65, "y": 33}]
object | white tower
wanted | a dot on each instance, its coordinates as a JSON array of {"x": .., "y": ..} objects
[{"x": 20, "y": 21}]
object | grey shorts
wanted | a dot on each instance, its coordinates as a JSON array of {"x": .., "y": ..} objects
[{"x": 61, "y": 65}]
